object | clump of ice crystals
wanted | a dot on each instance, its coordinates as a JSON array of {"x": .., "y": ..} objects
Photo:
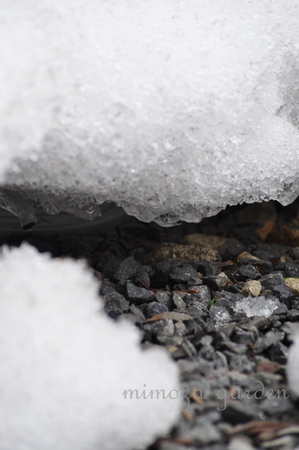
[
  {"x": 171, "y": 109},
  {"x": 65, "y": 366},
  {"x": 257, "y": 306}
]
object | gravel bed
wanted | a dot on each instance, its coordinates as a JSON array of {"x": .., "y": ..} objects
[{"x": 222, "y": 297}]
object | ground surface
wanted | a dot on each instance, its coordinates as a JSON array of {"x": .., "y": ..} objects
[{"x": 223, "y": 297}]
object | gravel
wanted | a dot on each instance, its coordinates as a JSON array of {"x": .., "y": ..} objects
[{"x": 226, "y": 314}]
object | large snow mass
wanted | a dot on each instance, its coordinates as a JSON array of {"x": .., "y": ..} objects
[
  {"x": 173, "y": 109},
  {"x": 67, "y": 371}
]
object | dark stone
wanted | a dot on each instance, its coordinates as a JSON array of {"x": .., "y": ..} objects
[
  {"x": 178, "y": 301},
  {"x": 277, "y": 406},
  {"x": 222, "y": 342},
  {"x": 114, "y": 296},
  {"x": 249, "y": 272},
  {"x": 207, "y": 352},
  {"x": 291, "y": 269},
  {"x": 259, "y": 322},
  {"x": 127, "y": 268},
  {"x": 264, "y": 342},
  {"x": 138, "y": 295},
  {"x": 107, "y": 287},
  {"x": 215, "y": 282},
  {"x": 108, "y": 265},
  {"x": 142, "y": 277},
  {"x": 278, "y": 353},
  {"x": 264, "y": 267},
  {"x": 183, "y": 273},
  {"x": 203, "y": 297},
  {"x": 243, "y": 337},
  {"x": 207, "y": 268},
  {"x": 241, "y": 363},
  {"x": 112, "y": 308},
  {"x": 293, "y": 315},
  {"x": 231, "y": 249},
  {"x": 276, "y": 284},
  {"x": 196, "y": 339},
  {"x": 269, "y": 252},
  {"x": 235, "y": 413},
  {"x": 165, "y": 299},
  {"x": 154, "y": 308}
]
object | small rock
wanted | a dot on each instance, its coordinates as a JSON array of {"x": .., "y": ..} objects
[
  {"x": 188, "y": 253},
  {"x": 270, "y": 338},
  {"x": 231, "y": 249},
  {"x": 293, "y": 315},
  {"x": 249, "y": 271},
  {"x": 252, "y": 287},
  {"x": 291, "y": 270},
  {"x": 178, "y": 301},
  {"x": 246, "y": 257},
  {"x": 205, "y": 239},
  {"x": 241, "y": 363},
  {"x": 217, "y": 282},
  {"x": 126, "y": 269},
  {"x": 153, "y": 309},
  {"x": 138, "y": 295},
  {"x": 235, "y": 413},
  {"x": 164, "y": 298},
  {"x": 182, "y": 273},
  {"x": 276, "y": 284},
  {"x": 293, "y": 284}
]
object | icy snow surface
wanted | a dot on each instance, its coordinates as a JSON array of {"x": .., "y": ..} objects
[
  {"x": 257, "y": 306},
  {"x": 173, "y": 109},
  {"x": 65, "y": 365}
]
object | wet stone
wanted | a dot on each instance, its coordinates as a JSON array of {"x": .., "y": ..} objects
[{"x": 153, "y": 309}]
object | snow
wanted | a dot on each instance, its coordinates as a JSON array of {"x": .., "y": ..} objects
[
  {"x": 292, "y": 367},
  {"x": 65, "y": 365},
  {"x": 171, "y": 109}
]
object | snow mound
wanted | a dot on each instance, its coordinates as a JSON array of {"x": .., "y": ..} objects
[
  {"x": 292, "y": 368},
  {"x": 171, "y": 109},
  {"x": 67, "y": 370}
]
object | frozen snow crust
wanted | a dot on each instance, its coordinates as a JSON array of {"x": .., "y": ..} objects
[
  {"x": 173, "y": 109},
  {"x": 65, "y": 365}
]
